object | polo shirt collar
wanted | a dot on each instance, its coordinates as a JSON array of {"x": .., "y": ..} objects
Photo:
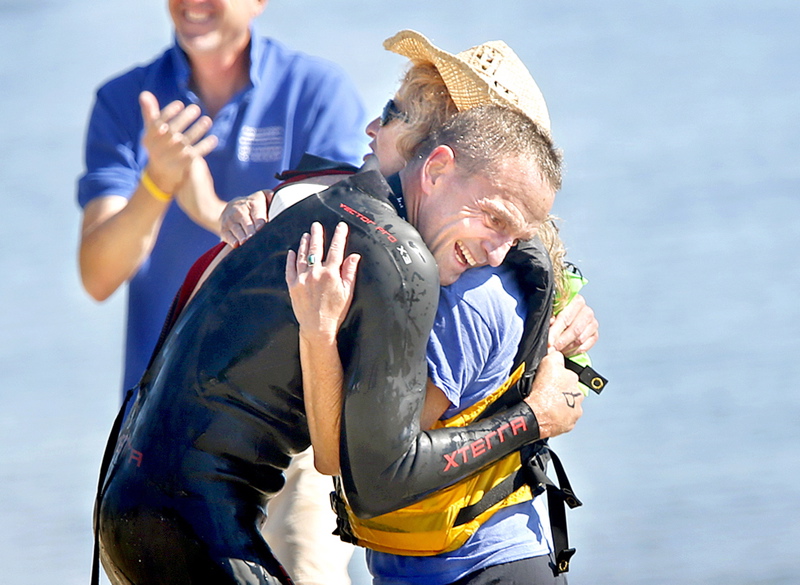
[{"x": 183, "y": 72}]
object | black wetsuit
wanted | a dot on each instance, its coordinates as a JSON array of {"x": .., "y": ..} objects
[{"x": 219, "y": 412}]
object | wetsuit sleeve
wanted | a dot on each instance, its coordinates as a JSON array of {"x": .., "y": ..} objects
[{"x": 387, "y": 461}]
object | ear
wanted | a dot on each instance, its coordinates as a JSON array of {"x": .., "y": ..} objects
[{"x": 438, "y": 165}]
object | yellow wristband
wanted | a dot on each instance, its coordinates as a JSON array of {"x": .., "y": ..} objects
[{"x": 153, "y": 189}]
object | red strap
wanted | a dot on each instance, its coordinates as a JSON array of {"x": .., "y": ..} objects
[{"x": 192, "y": 277}]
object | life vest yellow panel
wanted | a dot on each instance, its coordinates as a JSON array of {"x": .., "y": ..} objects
[{"x": 429, "y": 527}]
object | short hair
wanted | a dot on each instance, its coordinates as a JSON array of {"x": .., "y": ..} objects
[
  {"x": 484, "y": 136},
  {"x": 425, "y": 100}
]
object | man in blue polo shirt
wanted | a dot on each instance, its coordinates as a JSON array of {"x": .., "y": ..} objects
[{"x": 212, "y": 118}]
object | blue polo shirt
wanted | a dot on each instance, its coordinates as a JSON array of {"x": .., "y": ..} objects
[
  {"x": 476, "y": 333},
  {"x": 294, "y": 103}
]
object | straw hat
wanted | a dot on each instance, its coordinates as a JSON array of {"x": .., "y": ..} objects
[{"x": 487, "y": 73}]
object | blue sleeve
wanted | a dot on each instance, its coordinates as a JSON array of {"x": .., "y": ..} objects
[
  {"x": 458, "y": 347},
  {"x": 112, "y": 153},
  {"x": 475, "y": 336}
]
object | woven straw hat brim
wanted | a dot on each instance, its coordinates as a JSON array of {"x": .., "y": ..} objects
[{"x": 488, "y": 73}]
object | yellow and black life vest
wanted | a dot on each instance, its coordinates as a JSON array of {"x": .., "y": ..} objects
[
  {"x": 438, "y": 523},
  {"x": 445, "y": 519}
]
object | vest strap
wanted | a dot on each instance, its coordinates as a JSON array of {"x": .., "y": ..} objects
[
  {"x": 557, "y": 496},
  {"x": 494, "y": 496},
  {"x": 339, "y": 507},
  {"x": 533, "y": 473},
  {"x": 587, "y": 376}
]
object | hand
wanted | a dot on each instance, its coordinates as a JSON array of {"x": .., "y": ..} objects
[
  {"x": 244, "y": 216},
  {"x": 575, "y": 329},
  {"x": 321, "y": 291},
  {"x": 173, "y": 137},
  {"x": 555, "y": 397}
]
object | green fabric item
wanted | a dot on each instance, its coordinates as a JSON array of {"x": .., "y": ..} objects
[{"x": 576, "y": 283}]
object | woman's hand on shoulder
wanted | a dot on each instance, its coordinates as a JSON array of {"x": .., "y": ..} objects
[{"x": 321, "y": 290}]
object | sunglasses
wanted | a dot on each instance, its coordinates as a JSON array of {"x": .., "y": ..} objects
[{"x": 392, "y": 112}]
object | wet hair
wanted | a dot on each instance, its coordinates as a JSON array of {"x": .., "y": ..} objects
[{"x": 485, "y": 136}]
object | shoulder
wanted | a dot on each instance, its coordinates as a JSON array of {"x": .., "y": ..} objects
[
  {"x": 386, "y": 232},
  {"x": 479, "y": 310},
  {"x": 395, "y": 261},
  {"x": 483, "y": 308},
  {"x": 484, "y": 291},
  {"x": 136, "y": 78}
]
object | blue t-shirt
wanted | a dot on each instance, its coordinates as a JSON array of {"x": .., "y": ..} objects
[
  {"x": 294, "y": 103},
  {"x": 476, "y": 333}
]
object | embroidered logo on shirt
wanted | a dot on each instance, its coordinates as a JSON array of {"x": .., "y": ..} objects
[{"x": 260, "y": 144}]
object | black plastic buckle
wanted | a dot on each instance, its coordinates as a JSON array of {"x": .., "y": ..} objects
[
  {"x": 587, "y": 376},
  {"x": 562, "y": 561},
  {"x": 571, "y": 499}
]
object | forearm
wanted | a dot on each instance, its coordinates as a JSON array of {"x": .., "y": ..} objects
[
  {"x": 198, "y": 197},
  {"x": 409, "y": 464},
  {"x": 207, "y": 215},
  {"x": 322, "y": 395},
  {"x": 116, "y": 237}
]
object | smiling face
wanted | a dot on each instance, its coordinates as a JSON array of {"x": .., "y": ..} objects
[
  {"x": 204, "y": 26},
  {"x": 468, "y": 221}
]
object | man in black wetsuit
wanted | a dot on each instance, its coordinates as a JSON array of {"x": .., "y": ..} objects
[{"x": 219, "y": 413}]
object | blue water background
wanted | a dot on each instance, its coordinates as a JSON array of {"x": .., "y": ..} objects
[{"x": 680, "y": 123}]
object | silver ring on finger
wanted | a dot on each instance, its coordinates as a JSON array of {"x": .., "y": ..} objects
[{"x": 311, "y": 260}]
